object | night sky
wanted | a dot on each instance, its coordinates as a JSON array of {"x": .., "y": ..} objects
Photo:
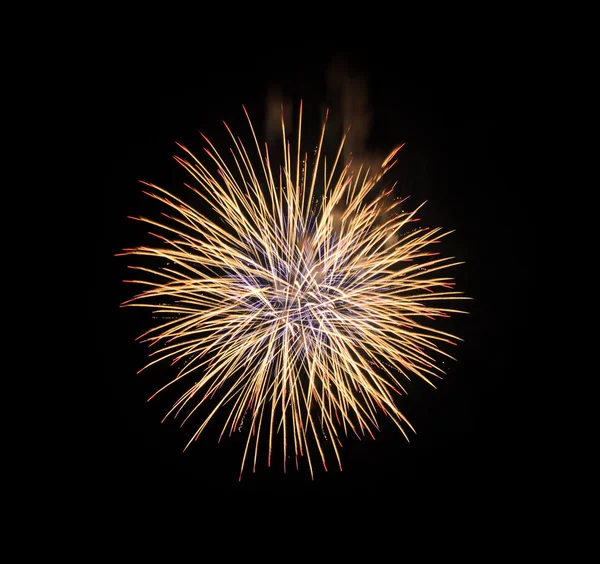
[{"x": 456, "y": 125}]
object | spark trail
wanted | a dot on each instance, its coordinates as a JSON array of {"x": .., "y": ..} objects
[{"x": 297, "y": 298}]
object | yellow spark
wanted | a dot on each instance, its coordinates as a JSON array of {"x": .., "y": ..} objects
[{"x": 293, "y": 297}]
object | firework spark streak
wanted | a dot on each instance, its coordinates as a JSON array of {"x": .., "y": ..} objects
[{"x": 300, "y": 304}]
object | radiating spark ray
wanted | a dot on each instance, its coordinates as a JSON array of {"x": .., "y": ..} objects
[{"x": 299, "y": 298}]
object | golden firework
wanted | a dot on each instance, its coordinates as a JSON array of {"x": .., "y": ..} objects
[{"x": 297, "y": 298}]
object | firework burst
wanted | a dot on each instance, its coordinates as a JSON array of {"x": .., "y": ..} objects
[{"x": 296, "y": 299}]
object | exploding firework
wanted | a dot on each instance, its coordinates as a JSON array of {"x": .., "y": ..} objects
[{"x": 296, "y": 299}]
